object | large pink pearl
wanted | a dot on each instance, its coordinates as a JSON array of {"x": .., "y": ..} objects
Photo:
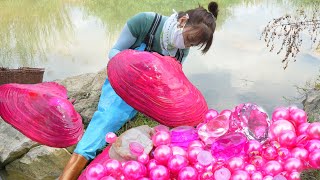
[
  {"x": 193, "y": 154},
  {"x": 161, "y": 127},
  {"x": 161, "y": 138},
  {"x": 176, "y": 150},
  {"x": 257, "y": 176},
  {"x": 111, "y": 137},
  {"x": 272, "y": 168},
  {"x": 268, "y": 177},
  {"x": 293, "y": 164},
  {"x": 313, "y": 130},
  {"x": 211, "y": 114},
  {"x": 176, "y": 163},
  {"x": 95, "y": 171},
  {"x": 205, "y": 158},
  {"x": 199, "y": 168},
  {"x": 280, "y": 113},
  {"x": 250, "y": 168},
  {"x": 143, "y": 158},
  {"x": 188, "y": 173},
  {"x": 298, "y": 116},
  {"x": 134, "y": 170},
  {"x": 108, "y": 178},
  {"x": 162, "y": 153},
  {"x": 301, "y": 140},
  {"x": 240, "y": 175},
  {"x": 312, "y": 145},
  {"x": 159, "y": 173},
  {"x": 279, "y": 126},
  {"x": 314, "y": 159},
  {"x": 222, "y": 174},
  {"x": 252, "y": 146},
  {"x": 258, "y": 161},
  {"x": 300, "y": 153},
  {"x": 235, "y": 163},
  {"x": 294, "y": 176},
  {"x": 302, "y": 128},
  {"x": 283, "y": 153},
  {"x": 287, "y": 138},
  {"x": 151, "y": 164},
  {"x": 112, "y": 167}
]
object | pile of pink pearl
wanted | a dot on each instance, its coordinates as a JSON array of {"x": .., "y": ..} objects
[{"x": 293, "y": 146}]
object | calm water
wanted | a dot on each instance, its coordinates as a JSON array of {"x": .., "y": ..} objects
[{"x": 71, "y": 37}]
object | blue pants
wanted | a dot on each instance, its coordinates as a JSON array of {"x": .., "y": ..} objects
[{"x": 111, "y": 115}]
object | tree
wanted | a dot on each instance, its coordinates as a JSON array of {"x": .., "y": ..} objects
[{"x": 289, "y": 30}]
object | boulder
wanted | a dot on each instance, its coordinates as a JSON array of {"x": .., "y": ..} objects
[{"x": 311, "y": 105}]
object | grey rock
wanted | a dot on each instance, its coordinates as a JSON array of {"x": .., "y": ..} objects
[
  {"x": 311, "y": 105},
  {"x": 13, "y": 144},
  {"x": 41, "y": 162}
]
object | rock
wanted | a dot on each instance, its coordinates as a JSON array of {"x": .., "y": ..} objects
[
  {"x": 13, "y": 144},
  {"x": 41, "y": 162},
  {"x": 120, "y": 149},
  {"x": 85, "y": 90},
  {"x": 312, "y": 105}
]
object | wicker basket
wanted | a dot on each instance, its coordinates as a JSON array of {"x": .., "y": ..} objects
[{"x": 23, "y": 75}]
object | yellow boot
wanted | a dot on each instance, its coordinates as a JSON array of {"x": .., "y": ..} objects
[{"x": 74, "y": 167}]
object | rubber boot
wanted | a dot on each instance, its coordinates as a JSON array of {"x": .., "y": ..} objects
[{"x": 74, "y": 167}]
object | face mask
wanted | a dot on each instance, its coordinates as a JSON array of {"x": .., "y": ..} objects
[{"x": 177, "y": 36}]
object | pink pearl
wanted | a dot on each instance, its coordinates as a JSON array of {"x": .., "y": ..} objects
[
  {"x": 294, "y": 176},
  {"x": 108, "y": 178},
  {"x": 151, "y": 164},
  {"x": 159, "y": 173},
  {"x": 162, "y": 153},
  {"x": 293, "y": 164},
  {"x": 280, "y": 113},
  {"x": 111, "y": 137},
  {"x": 312, "y": 145},
  {"x": 300, "y": 153},
  {"x": 235, "y": 163},
  {"x": 196, "y": 143},
  {"x": 95, "y": 171},
  {"x": 258, "y": 161},
  {"x": 211, "y": 114},
  {"x": 301, "y": 140},
  {"x": 272, "y": 168},
  {"x": 143, "y": 158},
  {"x": 208, "y": 175},
  {"x": 240, "y": 175},
  {"x": 279, "y": 177},
  {"x": 298, "y": 116},
  {"x": 302, "y": 128},
  {"x": 287, "y": 138},
  {"x": 112, "y": 167},
  {"x": 205, "y": 158},
  {"x": 313, "y": 130},
  {"x": 134, "y": 170},
  {"x": 269, "y": 153},
  {"x": 314, "y": 159},
  {"x": 176, "y": 150},
  {"x": 283, "y": 153},
  {"x": 257, "y": 176},
  {"x": 199, "y": 168},
  {"x": 193, "y": 153},
  {"x": 252, "y": 146},
  {"x": 222, "y": 174},
  {"x": 176, "y": 163},
  {"x": 136, "y": 148},
  {"x": 161, "y": 138},
  {"x": 279, "y": 126},
  {"x": 250, "y": 168},
  {"x": 188, "y": 173}
]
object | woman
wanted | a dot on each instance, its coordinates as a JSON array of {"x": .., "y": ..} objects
[{"x": 169, "y": 36}]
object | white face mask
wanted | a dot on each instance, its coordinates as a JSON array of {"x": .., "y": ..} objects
[{"x": 177, "y": 37}]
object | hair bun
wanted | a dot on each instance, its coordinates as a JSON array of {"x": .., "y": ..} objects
[{"x": 213, "y": 8}]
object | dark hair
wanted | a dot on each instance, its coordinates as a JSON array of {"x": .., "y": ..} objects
[{"x": 203, "y": 23}]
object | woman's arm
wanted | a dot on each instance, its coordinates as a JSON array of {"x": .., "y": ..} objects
[{"x": 125, "y": 41}]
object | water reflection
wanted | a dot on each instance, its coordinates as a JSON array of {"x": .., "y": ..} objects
[{"x": 71, "y": 37}]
